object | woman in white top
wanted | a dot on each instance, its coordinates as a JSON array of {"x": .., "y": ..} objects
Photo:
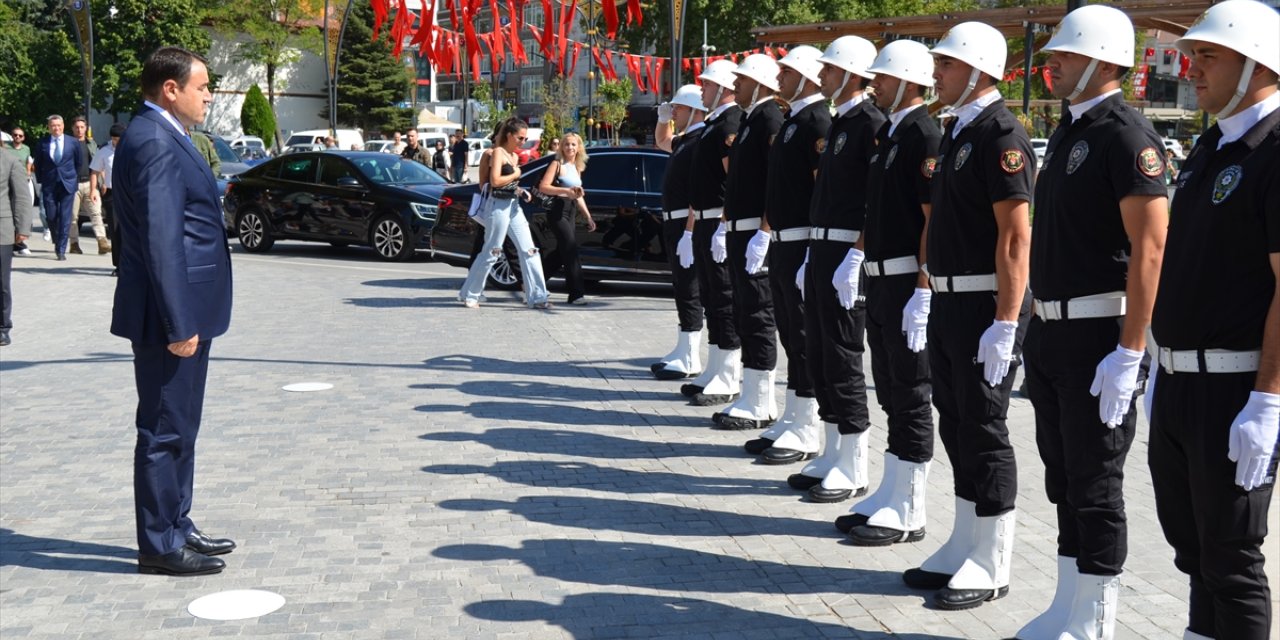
[{"x": 563, "y": 179}]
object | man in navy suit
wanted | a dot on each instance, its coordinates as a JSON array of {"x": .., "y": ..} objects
[
  {"x": 173, "y": 295},
  {"x": 58, "y": 162}
]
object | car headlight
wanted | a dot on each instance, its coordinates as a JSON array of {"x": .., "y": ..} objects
[{"x": 427, "y": 212}]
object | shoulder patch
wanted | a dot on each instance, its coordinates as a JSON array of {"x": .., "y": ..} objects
[
  {"x": 928, "y": 167},
  {"x": 1011, "y": 161},
  {"x": 840, "y": 140},
  {"x": 1150, "y": 163}
]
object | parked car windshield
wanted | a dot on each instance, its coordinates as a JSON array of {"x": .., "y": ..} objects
[
  {"x": 389, "y": 169},
  {"x": 225, "y": 154}
]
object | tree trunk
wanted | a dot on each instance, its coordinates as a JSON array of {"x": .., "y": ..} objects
[{"x": 271, "y": 101}]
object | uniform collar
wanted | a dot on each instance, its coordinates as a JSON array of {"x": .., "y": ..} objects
[
  {"x": 168, "y": 117},
  {"x": 969, "y": 112},
  {"x": 898, "y": 116},
  {"x": 752, "y": 108},
  {"x": 799, "y": 105},
  {"x": 694, "y": 127},
  {"x": 848, "y": 106},
  {"x": 716, "y": 113},
  {"x": 1236, "y": 126},
  {"x": 1078, "y": 110}
]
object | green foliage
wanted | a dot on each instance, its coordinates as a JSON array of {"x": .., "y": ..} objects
[
  {"x": 485, "y": 121},
  {"x": 559, "y": 104},
  {"x": 256, "y": 118},
  {"x": 370, "y": 81},
  {"x": 273, "y": 33},
  {"x": 615, "y": 96},
  {"x": 40, "y": 67},
  {"x": 123, "y": 42}
]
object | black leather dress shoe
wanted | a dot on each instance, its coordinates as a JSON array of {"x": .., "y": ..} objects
[
  {"x": 656, "y": 367},
  {"x": 690, "y": 390},
  {"x": 4, "y": 339},
  {"x": 801, "y": 482},
  {"x": 847, "y": 522},
  {"x": 921, "y": 579},
  {"x": 776, "y": 455},
  {"x": 958, "y": 599},
  {"x": 731, "y": 423},
  {"x": 62, "y": 256},
  {"x": 824, "y": 495},
  {"x": 705, "y": 400},
  {"x": 183, "y": 562},
  {"x": 201, "y": 543},
  {"x": 671, "y": 374},
  {"x": 866, "y": 535},
  {"x": 758, "y": 446}
]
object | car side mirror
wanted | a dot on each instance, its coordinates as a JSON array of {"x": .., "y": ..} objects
[{"x": 348, "y": 181}]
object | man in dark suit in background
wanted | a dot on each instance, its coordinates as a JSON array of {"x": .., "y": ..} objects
[
  {"x": 173, "y": 295},
  {"x": 58, "y": 159}
]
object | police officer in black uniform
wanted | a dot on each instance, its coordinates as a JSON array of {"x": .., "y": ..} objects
[
  {"x": 1096, "y": 246},
  {"x": 898, "y": 296},
  {"x": 1217, "y": 325},
  {"x": 977, "y": 244}
]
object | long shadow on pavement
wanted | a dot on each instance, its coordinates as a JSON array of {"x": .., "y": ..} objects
[
  {"x": 55, "y": 554},
  {"x": 621, "y": 615},
  {"x": 557, "y": 414},
  {"x": 560, "y": 475},
  {"x": 581, "y": 444},
  {"x": 533, "y": 390},
  {"x": 8, "y": 364}
]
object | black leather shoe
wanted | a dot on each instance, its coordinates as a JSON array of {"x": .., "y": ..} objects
[
  {"x": 62, "y": 256},
  {"x": 775, "y": 455},
  {"x": 824, "y": 495},
  {"x": 847, "y": 522},
  {"x": 201, "y": 543},
  {"x": 656, "y": 367},
  {"x": 183, "y": 562},
  {"x": 957, "y": 599},
  {"x": 921, "y": 579},
  {"x": 758, "y": 446},
  {"x": 867, "y": 535},
  {"x": 704, "y": 400},
  {"x": 801, "y": 482},
  {"x": 672, "y": 374},
  {"x": 4, "y": 339},
  {"x": 731, "y": 423},
  {"x": 690, "y": 390}
]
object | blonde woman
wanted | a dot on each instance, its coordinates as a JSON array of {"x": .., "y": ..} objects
[{"x": 563, "y": 179}]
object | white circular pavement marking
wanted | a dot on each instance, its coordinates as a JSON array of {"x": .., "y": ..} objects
[
  {"x": 308, "y": 386},
  {"x": 235, "y": 605}
]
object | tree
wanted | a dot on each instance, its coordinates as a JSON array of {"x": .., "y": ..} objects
[
  {"x": 256, "y": 118},
  {"x": 559, "y": 106},
  {"x": 371, "y": 82},
  {"x": 490, "y": 115},
  {"x": 123, "y": 41},
  {"x": 616, "y": 95},
  {"x": 41, "y": 65}
]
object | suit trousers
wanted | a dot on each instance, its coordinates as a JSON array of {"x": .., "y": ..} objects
[
  {"x": 84, "y": 204},
  {"x": 1215, "y": 527},
  {"x": 835, "y": 342},
  {"x": 1083, "y": 458},
  {"x": 752, "y": 306},
  {"x": 715, "y": 288},
  {"x": 901, "y": 376},
  {"x": 57, "y": 203},
  {"x": 170, "y": 402},
  {"x": 785, "y": 259},
  {"x": 685, "y": 281},
  {"x": 6, "y": 291},
  {"x": 972, "y": 414},
  {"x": 113, "y": 227}
]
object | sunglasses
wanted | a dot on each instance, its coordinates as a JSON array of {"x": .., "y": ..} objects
[
  {"x": 18, "y": 136},
  {"x": 522, "y": 138}
]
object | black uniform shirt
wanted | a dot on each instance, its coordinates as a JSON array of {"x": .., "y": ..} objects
[
  {"x": 675, "y": 181},
  {"x": 1078, "y": 243},
  {"x": 706, "y": 188},
  {"x": 989, "y": 161},
  {"x": 899, "y": 180},
  {"x": 792, "y": 161},
  {"x": 749, "y": 162},
  {"x": 1216, "y": 282}
]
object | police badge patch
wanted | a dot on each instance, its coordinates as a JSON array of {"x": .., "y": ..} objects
[
  {"x": 893, "y": 153},
  {"x": 1226, "y": 182},
  {"x": 962, "y": 155},
  {"x": 1149, "y": 162},
  {"x": 1079, "y": 152},
  {"x": 928, "y": 167},
  {"x": 840, "y": 140},
  {"x": 1011, "y": 161},
  {"x": 786, "y": 137}
]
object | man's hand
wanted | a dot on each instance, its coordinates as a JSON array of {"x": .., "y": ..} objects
[
  {"x": 757, "y": 251},
  {"x": 19, "y": 239},
  {"x": 684, "y": 249},
  {"x": 186, "y": 348},
  {"x": 665, "y": 111},
  {"x": 800, "y": 273},
  {"x": 995, "y": 350},
  {"x": 846, "y": 277},
  {"x": 915, "y": 319},
  {"x": 1114, "y": 382},
  {"x": 94, "y": 196},
  {"x": 719, "y": 250},
  {"x": 1253, "y": 439}
]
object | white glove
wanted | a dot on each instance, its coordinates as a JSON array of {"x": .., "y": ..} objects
[
  {"x": 800, "y": 274},
  {"x": 846, "y": 278},
  {"x": 665, "y": 111},
  {"x": 995, "y": 350},
  {"x": 718, "y": 249},
  {"x": 1253, "y": 438},
  {"x": 1149, "y": 397},
  {"x": 915, "y": 319},
  {"x": 757, "y": 250},
  {"x": 684, "y": 249},
  {"x": 1114, "y": 382}
]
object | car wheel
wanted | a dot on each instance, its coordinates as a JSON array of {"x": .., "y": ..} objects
[
  {"x": 253, "y": 233},
  {"x": 505, "y": 273},
  {"x": 390, "y": 238}
]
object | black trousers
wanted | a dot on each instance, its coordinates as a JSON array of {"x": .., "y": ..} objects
[
  {"x": 752, "y": 306},
  {"x": 971, "y": 413},
  {"x": 562, "y": 220},
  {"x": 6, "y": 291},
  {"x": 1083, "y": 458},
  {"x": 113, "y": 229},
  {"x": 901, "y": 376},
  {"x": 170, "y": 404},
  {"x": 715, "y": 288},
  {"x": 684, "y": 281},
  {"x": 785, "y": 259},
  {"x": 1216, "y": 528},
  {"x": 834, "y": 342}
]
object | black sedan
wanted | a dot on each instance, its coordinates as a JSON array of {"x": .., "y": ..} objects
[
  {"x": 624, "y": 193},
  {"x": 340, "y": 197}
]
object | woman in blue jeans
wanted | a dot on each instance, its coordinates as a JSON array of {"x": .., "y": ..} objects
[{"x": 502, "y": 217}]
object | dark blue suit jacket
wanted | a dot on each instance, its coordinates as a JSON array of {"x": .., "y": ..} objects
[
  {"x": 67, "y": 171},
  {"x": 175, "y": 268}
]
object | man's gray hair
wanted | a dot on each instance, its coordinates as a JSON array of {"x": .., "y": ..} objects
[{"x": 52, "y": 118}]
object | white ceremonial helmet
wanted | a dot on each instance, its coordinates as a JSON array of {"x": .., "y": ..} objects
[
  {"x": 1098, "y": 32},
  {"x": 760, "y": 68},
  {"x": 1247, "y": 27},
  {"x": 905, "y": 60},
  {"x": 719, "y": 72},
  {"x": 978, "y": 45},
  {"x": 851, "y": 54},
  {"x": 805, "y": 60},
  {"x": 690, "y": 95}
]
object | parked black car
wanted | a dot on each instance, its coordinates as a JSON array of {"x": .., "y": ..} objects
[
  {"x": 624, "y": 193},
  {"x": 339, "y": 197}
]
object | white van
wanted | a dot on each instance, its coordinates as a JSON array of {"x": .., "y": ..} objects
[{"x": 346, "y": 138}]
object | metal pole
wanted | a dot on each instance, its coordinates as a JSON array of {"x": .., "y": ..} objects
[{"x": 1026, "y": 69}]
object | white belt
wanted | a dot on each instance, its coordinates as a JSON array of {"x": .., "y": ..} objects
[
  {"x": 963, "y": 284},
  {"x": 790, "y": 235},
  {"x": 708, "y": 213},
  {"x": 892, "y": 266},
  {"x": 745, "y": 224},
  {"x": 1209, "y": 361},
  {"x": 678, "y": 214},
  {"x": 1101, "y": 305},
  {"x": 834, "y": 235}
]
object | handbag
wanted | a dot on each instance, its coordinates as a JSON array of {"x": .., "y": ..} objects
[
  {"x": 544, "y": 201},
  {"x": 478, "y": 202}
]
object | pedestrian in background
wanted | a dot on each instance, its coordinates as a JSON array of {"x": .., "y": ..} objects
[
  {"x": 101, "y": 179},
  {"x": 397, "y": 145},
  {"x": 87, "y": 201},
  {"x": 415, "y": 151},
  {"x": 458, "y": 152},
  {"x": 23, "y": 153},
  {"x": 57, "y": 163},
  {"x": 563, "y": 179},
  {"x": 440, "y": 160},
  {"x": 15, "y": 226}
]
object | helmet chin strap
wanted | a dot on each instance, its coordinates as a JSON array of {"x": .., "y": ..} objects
[
  {"x": 719, "y": 93},
  {"x": 897, "y": 98},
  {"x": 973, "y": 82},
  {"x": 1241, "y": 87},
  {"x": 843, "y": 84},
  {"x": 1084, "y": 79}
]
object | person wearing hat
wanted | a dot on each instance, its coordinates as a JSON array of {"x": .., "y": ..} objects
[
  {"x": 793, "y": 159},
  {"x": 683, "y": 115},
  {"x": 1215, "y": 398},
  {"x": 742, "y": 239},
  {"x": 899, "y": 181},
  {"x": 720, "y": 381},
  {"x": 1096, "y": 247},
  {"x": 100, "y": 178},
  {"x": 977, "y": 242}
]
